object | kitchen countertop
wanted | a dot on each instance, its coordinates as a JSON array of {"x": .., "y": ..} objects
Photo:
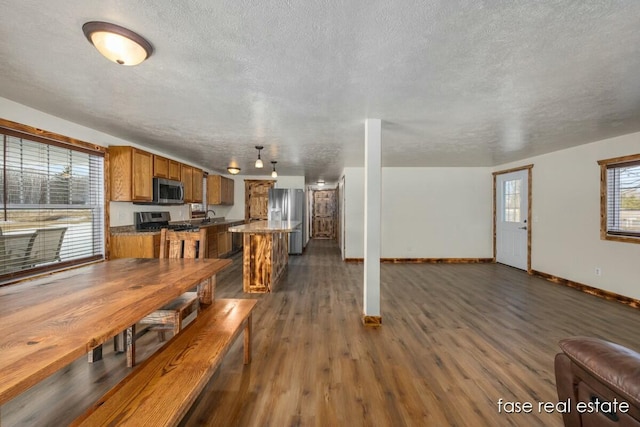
[
  {"x": 266, "y": 227},
  {"x": 131, "y": 229}
]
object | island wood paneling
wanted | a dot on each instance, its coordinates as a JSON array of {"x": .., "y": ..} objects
[{"x": 265, "y": 258}]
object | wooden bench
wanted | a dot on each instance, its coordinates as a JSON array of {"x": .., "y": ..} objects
[{"x": 160, "y": 391}]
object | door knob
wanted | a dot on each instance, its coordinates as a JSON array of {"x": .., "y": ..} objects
[{"x": 523, "y": 228}]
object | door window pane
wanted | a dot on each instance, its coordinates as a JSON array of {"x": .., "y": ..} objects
[{"x": 512, "y": 192}]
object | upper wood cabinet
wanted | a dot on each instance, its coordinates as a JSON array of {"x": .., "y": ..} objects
[
  {"x": 187, "y": 181},
  {"x": 166, "y": 168},
  {"x": 174, "y": 170},
  {"x": 192, "y": 180},
  {"x": 219, "y": 190},
  {"x": 130, "y": 174},
  {"x": 196, "y": 180}
]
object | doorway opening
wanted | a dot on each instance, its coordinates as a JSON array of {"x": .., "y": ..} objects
[{"x": 512, "y": 200}]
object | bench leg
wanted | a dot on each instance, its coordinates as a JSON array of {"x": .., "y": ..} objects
[
  {"x": 247, "y": 340},
  {"x": 95, "y": 354},
  {"x": 206, "y": 290},
  {"x": 119, "y": 343},
  {"x": 177, "y": 323},
  {"x": 131, "y": 346}
]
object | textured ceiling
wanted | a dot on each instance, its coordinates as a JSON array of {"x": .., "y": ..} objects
[{"x": 455, "y": 83}]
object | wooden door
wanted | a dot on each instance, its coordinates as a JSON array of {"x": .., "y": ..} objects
[
  {"x": 324, "y": 214},
  {"x": 257, "y": 199}
]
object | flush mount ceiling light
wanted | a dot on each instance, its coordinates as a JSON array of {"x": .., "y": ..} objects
[
  {"x": 320, "y": 182},
  {"x": 116, "y": 43},
  {"x": 233, "y": 170},
  {"x": 259, "y": 161},
  {"x": 274, "y": 174}
]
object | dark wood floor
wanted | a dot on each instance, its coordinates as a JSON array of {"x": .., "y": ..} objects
[{"x": 454, "y": 340}]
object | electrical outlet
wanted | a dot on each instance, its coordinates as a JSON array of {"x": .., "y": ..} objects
[{"x": 598, "y": 271}]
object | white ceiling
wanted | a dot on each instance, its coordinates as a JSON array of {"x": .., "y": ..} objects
[{"x": 456, "y": 83}]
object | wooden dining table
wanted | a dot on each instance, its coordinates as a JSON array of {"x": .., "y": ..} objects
[{"x": 48, "y": 322}]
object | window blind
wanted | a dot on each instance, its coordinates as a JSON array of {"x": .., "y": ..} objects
[
  {"x": 623, "y": 199},
  {"x": 52, "y": 205}
]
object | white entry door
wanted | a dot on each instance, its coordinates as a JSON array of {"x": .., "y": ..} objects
[{"x": 512, "y": 198}]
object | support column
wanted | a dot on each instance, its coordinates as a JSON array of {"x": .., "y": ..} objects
[{"x": 372, "y": 201}]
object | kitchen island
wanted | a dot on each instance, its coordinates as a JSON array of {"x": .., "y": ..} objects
[{"x": 266, "y": 253}]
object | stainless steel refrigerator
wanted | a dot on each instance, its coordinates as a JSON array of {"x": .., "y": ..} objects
[{"x": 287, "y": 204}]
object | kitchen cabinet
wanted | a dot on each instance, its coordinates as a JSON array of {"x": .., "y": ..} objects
[
  {"x": 130, "y": 174},
  {"x": 192, "y": 181},
  {"x": 174, "y": 170},
  {"x": 196, "y": 180},
  {"x": 219, "y": 190},
  {"x": 166, "y": 168},
  {"x": 137, "y": 245},
  {"x": 212, "y": 242},
  {"x": 224, "y": 241},
  {"x": 186, "y": 172}
]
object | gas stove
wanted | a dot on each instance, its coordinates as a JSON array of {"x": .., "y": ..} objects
[{"x": 154, "y": 221}]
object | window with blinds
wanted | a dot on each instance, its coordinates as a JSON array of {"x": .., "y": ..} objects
[
  {"x": 620, "y": 189},
  {"x": 52, "y": 205}
]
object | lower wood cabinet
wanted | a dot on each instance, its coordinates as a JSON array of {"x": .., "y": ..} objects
[
  {"x": 137, "y": 245},
  {"x": 220, "y": 243},
  {"x": 224, "y": 241},
  {"x": 212, "y": 242}
]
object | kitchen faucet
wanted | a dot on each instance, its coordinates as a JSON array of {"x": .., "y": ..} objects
[{"x": 206, "y": 216}]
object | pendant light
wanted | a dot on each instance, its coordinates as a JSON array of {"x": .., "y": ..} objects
[
  {"x": 117, "y": 43},
  {"x": 274, "y": 174},
  {"x": 259, "y": 164}
]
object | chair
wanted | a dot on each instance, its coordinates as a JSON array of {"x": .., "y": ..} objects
[
  {"x": 15, "y": 251},
  {"x": 47, "y": 245},
  {"x": 599, "y": 376},
  {"x": 173, "y": 244}
]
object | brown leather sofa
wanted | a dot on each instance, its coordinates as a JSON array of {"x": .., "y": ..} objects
[{"x": 602, "y": 381}]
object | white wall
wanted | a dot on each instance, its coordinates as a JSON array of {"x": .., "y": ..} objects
[
  {"x": 566, "y": 218},
  {"x": 353, "y": 212},
  {"x": 436, "y": 213},
  {"x": 426, "y": 213}
]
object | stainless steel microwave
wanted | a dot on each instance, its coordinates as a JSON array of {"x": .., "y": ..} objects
[{"x": 167, "y": 192}]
